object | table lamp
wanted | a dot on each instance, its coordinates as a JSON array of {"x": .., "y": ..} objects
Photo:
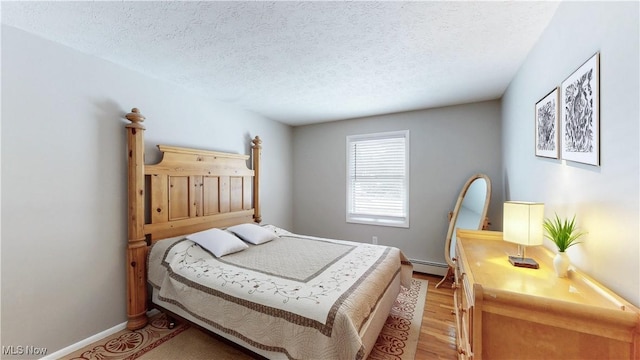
[{"x": 522, "y": 225}]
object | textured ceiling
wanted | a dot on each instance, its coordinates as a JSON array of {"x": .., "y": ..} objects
[{"x": 305, "y": 62}]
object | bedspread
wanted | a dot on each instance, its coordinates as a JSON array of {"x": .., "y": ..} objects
[{"x": 304, "y": 297}]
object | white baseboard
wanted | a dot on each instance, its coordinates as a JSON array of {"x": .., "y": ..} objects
[
  {"x": 91, "y": 339},
  {"x": 429, "y": 267}
]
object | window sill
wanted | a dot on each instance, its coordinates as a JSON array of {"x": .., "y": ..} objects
[{"x": 402, "y": 223}]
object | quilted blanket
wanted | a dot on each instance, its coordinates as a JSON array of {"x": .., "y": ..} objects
[{"x": 297, "y": 296}]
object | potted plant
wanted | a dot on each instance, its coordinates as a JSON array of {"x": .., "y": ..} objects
[{"x": 564, "y": 234}]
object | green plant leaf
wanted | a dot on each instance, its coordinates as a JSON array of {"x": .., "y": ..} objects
[{"x": 563, "y": 233}]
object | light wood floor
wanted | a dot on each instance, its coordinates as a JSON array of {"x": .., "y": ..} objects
[{"x": 438, "y": 333}]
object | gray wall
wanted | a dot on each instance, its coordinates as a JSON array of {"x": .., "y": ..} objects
[
  {"x": 605, "y": 199},
  {"x": 64, "y": 181},
  {"x": 447, "y": 145}
]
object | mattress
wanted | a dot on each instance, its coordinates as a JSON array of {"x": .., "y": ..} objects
[{"x": 296, "y": 297}]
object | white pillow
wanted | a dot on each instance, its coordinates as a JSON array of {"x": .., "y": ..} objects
[
  {"x": 253, "y": 233},
  {"x": 218, "y": 242}
]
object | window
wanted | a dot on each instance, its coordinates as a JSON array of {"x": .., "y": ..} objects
[{"x": 378, "y": 179}]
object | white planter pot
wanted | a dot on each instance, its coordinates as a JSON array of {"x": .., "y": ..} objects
[{"x": 561, "y": 264}]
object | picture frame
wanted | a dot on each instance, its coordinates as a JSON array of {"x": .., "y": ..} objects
[
  {"x": 546, "y": 124},
  {"x": 580, "y": 121}
]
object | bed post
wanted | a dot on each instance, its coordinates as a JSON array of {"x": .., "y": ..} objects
[
  {"x": 256, "y": 151},
  {"x": 137, "y": 245}
]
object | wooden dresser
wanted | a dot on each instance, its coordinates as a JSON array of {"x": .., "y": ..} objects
[{"x": 505, "y": 312}]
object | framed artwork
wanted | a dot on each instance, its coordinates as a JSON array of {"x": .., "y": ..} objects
[
  {"x": 580, "y": 121},
  {"x": 547, "y": 125}
]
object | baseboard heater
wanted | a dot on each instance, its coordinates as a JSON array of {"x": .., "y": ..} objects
[
  {"x": 429, "y": 267},
  {"x": 428, "y": 263}
]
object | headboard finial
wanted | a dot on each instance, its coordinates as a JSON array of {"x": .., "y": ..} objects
[
  {"x": 136, "y": 119},
  {"x": 257, "y": 142}
]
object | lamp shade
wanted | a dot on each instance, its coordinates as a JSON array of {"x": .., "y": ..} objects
[{"x": 522, "y": 222}]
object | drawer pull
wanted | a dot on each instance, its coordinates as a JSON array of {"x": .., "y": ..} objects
[{"x": 461, "y": 351}]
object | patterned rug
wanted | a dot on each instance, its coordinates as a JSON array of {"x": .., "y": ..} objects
[
  {"x": 398, "y": 339},
  {"x": 399, "y": 336}
]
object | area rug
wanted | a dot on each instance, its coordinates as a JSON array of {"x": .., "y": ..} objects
[
  {"x": 398, "y": 339},
  {"x": 399, "y": 336}
]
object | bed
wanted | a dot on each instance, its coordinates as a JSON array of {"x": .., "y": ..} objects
[{"x": 290, "y": 297}]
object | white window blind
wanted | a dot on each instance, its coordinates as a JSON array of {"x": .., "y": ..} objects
[{"x": 378, "y": 178}]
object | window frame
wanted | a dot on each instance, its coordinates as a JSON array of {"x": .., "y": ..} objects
[{"x": 374, "y": 219}]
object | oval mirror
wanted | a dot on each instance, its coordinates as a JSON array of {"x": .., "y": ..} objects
[{"x": 470, "y": 212}]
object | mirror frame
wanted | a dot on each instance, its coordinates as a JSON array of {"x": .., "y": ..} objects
[{"x": 456, "y": 210}]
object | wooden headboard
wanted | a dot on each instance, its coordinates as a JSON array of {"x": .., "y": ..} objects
[{"x": 188, "y": 191}]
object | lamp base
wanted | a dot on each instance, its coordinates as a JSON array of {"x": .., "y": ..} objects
[{"x": 523, "y": 262}]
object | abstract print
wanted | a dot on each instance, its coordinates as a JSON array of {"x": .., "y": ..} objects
[
  {"x": 579, "y": 114},
  {"x": 580, "y": 104},
  {"x": 547, "y": 126}
]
